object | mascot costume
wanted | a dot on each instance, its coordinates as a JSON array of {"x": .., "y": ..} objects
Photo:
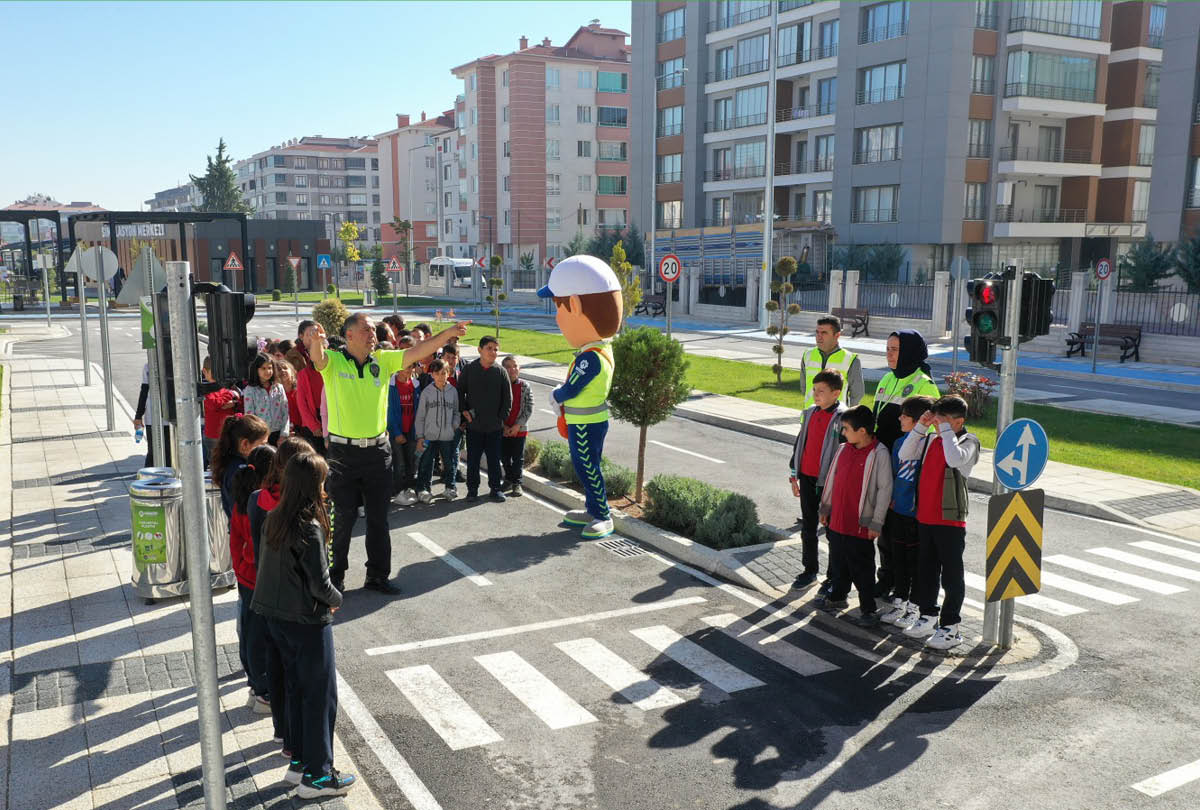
[{"x": 587, "y": 296}]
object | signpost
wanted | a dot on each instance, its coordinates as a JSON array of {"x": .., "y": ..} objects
[
  {"x": 960, "y": 271},
  {"x": 103, "y": 264},
  {"x": 548, "y": 304},
  {"x": 1021, "y": 454},
  {"x": 158, "y": 427},
  {"x": 294, "y": 261},
  {"x": 669, "y": 269},
  {"x": 394, "y": 269},
  {"x": 233, "y": 264},
  {"x": 74, "y": 264},
  {"x": 1103, "y": 271},
  {"x": 325, "y": 263},
  {"x": 1014, "y": 545}
]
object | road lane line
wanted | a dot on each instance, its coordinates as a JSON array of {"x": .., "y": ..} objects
[
  {"x": 1085, "y": 589},
  {"x": 1146, "y": 562},
  {"x": 688, "y": 452},
  {"x": 1158, "y": 785},
  {"x": 553, "y": 706},
  {"x": 445, "y": 712},
  {"x": 450, "y": 560},
  {"x": 1104, "y": 572},
  {"x": 1170, "y": 551},
  {"x": 634, "y": 685},
  {"x": 719, "y": 673},
  {"x": 378, "y": 741},
  {"x": 535, "y": 626},
  {"x": 788, "y": 655},
  {"x": 1034, "y": 600}
]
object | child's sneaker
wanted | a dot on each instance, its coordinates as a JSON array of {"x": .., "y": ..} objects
[
  {"x": 829, "y": 603},
  {"x": 911, "y": 614},
  {"x": 261, "y": 705},
  {"x": 898, "y": 611},
  {"x": 923, "y": 627},
  {"x": 333, "y": 783},
  {"x": 295, "y": 772},
  {"x": 945, "y": 638},
  {"x": 425, "y": 497},
  {"x": 406, "y": 497},
  {"x": 450, "y": 493}
]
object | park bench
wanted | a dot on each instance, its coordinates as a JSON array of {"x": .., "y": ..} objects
[
  {"x": 651, "y": 305},
  {"x": 1127, "y": 338},
  {"x": 857, "y": 319}
]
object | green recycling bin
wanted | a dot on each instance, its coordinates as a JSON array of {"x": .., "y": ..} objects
[{"x": 156, "y": 530}]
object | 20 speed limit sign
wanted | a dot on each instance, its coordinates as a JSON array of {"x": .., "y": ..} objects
[
  {"x": 1103, "y": 269},
  {"x": 669, "y": 268}
]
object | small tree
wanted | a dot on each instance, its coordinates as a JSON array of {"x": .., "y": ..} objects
[
  {"x": 289, "y": 275},
  {"x": 1146, "y": 264},
  {"x": 496, "y": 292},
  {"x": 578, "y": 244},
  {"x": 631, "y": 283},
  {"x": 781, "y": 310},
  {"x": 883, "y": 263},
  {"x": 635, "y": 246},
  {"x": 1187, "y": 261},
  {"x": 348, "y": 233},
  {"x": 218, "y": 187},
  {"x": 650, "y": 379},
  {"x": 404, "y": 230},
  {"x": 331, "y": 314},
  {"x": 379, "y": 279},
  {"x": 527, "y": 262}
]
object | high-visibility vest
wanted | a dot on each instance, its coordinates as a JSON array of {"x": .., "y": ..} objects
[
  {"x": 840, "y": 360},
  {"x": 591, "y": 404},
  {"x": 893, "y": 392}
]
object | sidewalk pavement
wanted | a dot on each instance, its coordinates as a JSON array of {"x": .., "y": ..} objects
[{"x": 98, "y": 686}]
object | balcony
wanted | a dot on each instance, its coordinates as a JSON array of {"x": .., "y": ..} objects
[
  {"x": 730, "y": 20},
  {"x": 979, "y": 150},
  {"x": 668, "y": 130},
  {"x": 1154, "y": 38},
  {"x": 1150, "y": 99},
  {"x": 879, "y": 95},
  {"x": 553, "y": 192},
  {"x": 986, "y": 19},
  {"x": 877, "y": 155},
  {"x": 1193, "y": 198},
  {"x": 670, "y": 81},
  {"x": 662, "y": 178},
  {"x": 984, "y": 87},
  {"x": 880, "y": 33},
  {"x": 1138, "y": 215},
  {"x": 1048, "y": 162},
  {"x": 1196, "y": 115},
  {"x": 1014, "y": 222},
  {"x": 790, "y": 5},
  {"x": 735, "y": 71},
  {"x": 735, "y": 173},
  {"x": 867, "y": 216},
  {"x": 1062, "y": 29},
  {"x": 1045, "y": 155},
  {"x": 723, "y": 124},
  {"x": 1145, "y": 158},
  {"x": 670, "y": 34},
  {"x": 811, "y": 55},
  {"x": 1057, "y": 92},
  {"x": 975, "y": 212},
  {"x": 824, "y": 164},
  {"x": 786, "y": 114}
]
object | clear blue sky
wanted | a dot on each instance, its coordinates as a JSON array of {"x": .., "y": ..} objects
[{"x": 130, "y": 97}]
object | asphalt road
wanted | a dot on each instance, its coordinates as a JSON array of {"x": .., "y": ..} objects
[{"x": 524, "y": 668}]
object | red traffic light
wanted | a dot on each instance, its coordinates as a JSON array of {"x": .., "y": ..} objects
[{"x": 987, "y": 294}]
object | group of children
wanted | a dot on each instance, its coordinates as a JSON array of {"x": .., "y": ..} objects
[{"x": 913, "y": 499}]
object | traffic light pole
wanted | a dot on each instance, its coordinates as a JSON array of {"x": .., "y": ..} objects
[{"x": 998, "y": 616}]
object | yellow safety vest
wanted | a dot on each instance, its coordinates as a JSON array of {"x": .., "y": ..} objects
[
  {"x": 893, "y": 392},
  {"x": 840, "y": 360},
  {"x": 591, "y": 404}
]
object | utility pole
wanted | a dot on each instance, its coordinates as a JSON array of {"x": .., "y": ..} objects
[{"x": 764, "y": 277}]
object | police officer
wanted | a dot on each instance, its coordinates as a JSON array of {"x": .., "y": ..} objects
[
  {"x": 360, "y": 460},
  {"x": 827, "y": 354}
]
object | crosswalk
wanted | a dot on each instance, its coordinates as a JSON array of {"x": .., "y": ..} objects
[{"x": 1062, "y": 582}]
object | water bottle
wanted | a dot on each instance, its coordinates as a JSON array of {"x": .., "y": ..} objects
[{"x": 138, "y": 434}]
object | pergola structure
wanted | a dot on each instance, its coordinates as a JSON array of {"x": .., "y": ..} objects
[{"x": 28, "y": 215}]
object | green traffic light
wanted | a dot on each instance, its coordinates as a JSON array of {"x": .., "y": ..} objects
[{"x": 985, "y": 323}]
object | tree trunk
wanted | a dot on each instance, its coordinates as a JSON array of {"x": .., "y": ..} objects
[{"x": 641, "y": 467}]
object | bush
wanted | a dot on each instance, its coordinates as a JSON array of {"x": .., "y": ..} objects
[
  {"x": 276, "y": 295},
  {"x": 556, "y": 462},
  {"x": 202, "y": 327},
  {"x": 715, "y": 517},
  {"x": 975, "y": 389},
  {"x": 618, "y": 479},
  {"x": 533, "y": 448},
  {"x": 331, "y": 314},
  {"x": 329, "y": 288}
]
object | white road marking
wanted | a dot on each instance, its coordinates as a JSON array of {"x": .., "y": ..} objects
[
  {"x": 535, "y": 626},
  {"x": 1084, "y": 589},
  {"x": 1158, "y": 785},
  {"x": 378, "y": 741},
  {"x": 450, "y": 560},
  {"x": 1034, "y": 600},
  {"x": 799, "y": 661},
  {"x": 634, "y": 685},
  {"x": 719, "y": 673},
  {"x": 1170, "y": 551},
  {"x": 688, "y": 452},
  {"x": 445, "y": 712},
  {"x": 1104, "y": 572},
  {"x": 553, "y": 706},
  {"x": 1146, "y": 562}
]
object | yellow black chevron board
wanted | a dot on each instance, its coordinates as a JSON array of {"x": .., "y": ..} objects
[{"x": 1014, "y": 544}]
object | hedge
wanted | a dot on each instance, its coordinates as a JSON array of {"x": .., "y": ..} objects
[
  {"x": 555, "y": 459},
  {"x": 715, "y": 517}
]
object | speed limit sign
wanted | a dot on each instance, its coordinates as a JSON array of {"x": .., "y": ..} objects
[
  {"x": 669, "y": 268},
  {"x": 1103, "y": 269}
]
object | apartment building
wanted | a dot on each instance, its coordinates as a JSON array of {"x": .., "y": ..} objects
[
  {"x": 545, "y": 153},
  {"x": 981, "y": 129},
  {"x": 1175, "y": 173},
  {"x": 408, "y": 185},
  {"x": 179, "y": 199},
  {"x": 330, "y": 180}
]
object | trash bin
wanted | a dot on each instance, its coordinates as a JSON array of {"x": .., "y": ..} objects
[
  {"x": 156, "y": 472},
  {"x": 19, "y": 303},
  {"x": 220, "y": 560},
  {"x": 156, "y": 515}
]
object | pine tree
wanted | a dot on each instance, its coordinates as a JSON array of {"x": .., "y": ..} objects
[
  {"x": 1146, "y": 264},
  {"x": 218, "y": 187},
  {"x": 631, "y": 283},
  {"x": 1187, "y": 261}
]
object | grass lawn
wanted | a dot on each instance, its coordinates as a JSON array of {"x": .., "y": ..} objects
[
  {"x": 1137, "y": 447},
  {"x": 352, "y": 298}
]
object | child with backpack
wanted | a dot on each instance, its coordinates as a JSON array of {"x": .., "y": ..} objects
[
  {"x": 240, "y": 434},
  {"x": 251, "y": 628}
]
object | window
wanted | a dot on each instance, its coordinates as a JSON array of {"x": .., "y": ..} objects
[
  {"x": 1150, "y": 94},
  {"x": 301, "y": 199},
  {"x": 504, "y": 78},
  {"x": 669, "y": 214},
  {"x": 985, "y": 14},
  {"x": 375, "y": 161},
  {"x": 611, "y": 82},
  {"x": 752, "y": 55},
  {"x": 723, "y": 67},
  {"x": 279, "y": 161},
  {"x": 982, "y": 80},
  {"x": 323, "y": 199},
  {"x": 299, "y": 163},
  {"x": 878, "y": 144},
  {"x": 281, "y": 179},
  {"x": 735, "y": 12},
  {"x": 750, "y": 159},
  {"x": 584, "y": 79},
  {"x": 722, "y": 163},
  {"x": 506, "y": 149},
  {"x": 583, "y": 149},
  {"x": 1067, "y": 18},
  {"x": 445, "y": 172},
  {"x": 449, "y": 224},
  {"x": 670, "y": 25},
  {"x": 431, "y": 210},
  {"x": 668, "y": 168},
  {"x": 827, "y": 96},
  {"x": 446, "y": 199},
  {"x": 474, "y": 116},
  {"x": 881, "y": 83},
  {"x": 301, "y": 180},
  {"x": 553, "y": 185},
  {"x": 506, "y": 183},
  {"x": 356, "y": 199},
  {"x": 612, "y": 217},
  {"x": 339, "y": 199},
  {"x": 474, "y": 86},
  {"x": 829, "y": 37},
  {"x": 979, "y": 137},
  {"x": 975, "y": 202},
  {"x": 1158, "y": 21},
  {"x": 613, "y": 150},
  {"x": 750, "y": 106},
  {"x": 358, "y": 164},
  {"x": 581, "y": 216},
  {"x": 374, "y": 199},
  {"x": 583, "y": 114},
  {"x": 1145, "y": 153},
  {"x": 1141, "y": 200},
  {"x": 504, "y": 114},
  {"x": 356, "y": 181},
  {"x": 281, "y": 198},
  {"x": 610, "y": 184},
  {"x": 823, "y": 153},
  {"x": 553, "y": 219},
  {"x": 1051, "y": 75},
  {"x": 583, "y": 182},
  {"x": 670, "y": 73},
  {"x": 506, "y": 220},
  {"x": 430, "y": 231},
  {"x": 552, "y": 152},
  {"x": 884, "y": 21},
  {"x": 612, "y": 116},
  {"x": 720, "y": 211},
  {"x": 323, "y": 180},
  {"x": 474, "y": 151},
  {"x": 552, "y": 78},
  {"x": 875, "y": 204},
  {"x": 722, "y": 115},
  {"x": 375, "y": 215},
  {"x": 552, "y": 114},
  {"x": 474, "y": 184},
  {"x": 338, "y": 164},
  {"x": 670, "y": 121}
]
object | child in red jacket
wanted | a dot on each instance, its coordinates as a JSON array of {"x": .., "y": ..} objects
[
  {"x": 252, "y": 628},
  {"x": 218, "y": 406}
]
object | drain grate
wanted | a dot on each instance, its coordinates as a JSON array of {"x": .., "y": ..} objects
[{"x": 622, "y": 548}]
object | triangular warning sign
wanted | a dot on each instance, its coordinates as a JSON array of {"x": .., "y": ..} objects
[
  {"x": 294, "y": 261},
  {"x": 394, "y": 265},
  {"x": 233, "y": 262}
]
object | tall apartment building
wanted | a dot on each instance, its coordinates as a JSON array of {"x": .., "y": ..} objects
[
  {"x": 1175, "y": 179},
  {"x": 330, "y": 180},
  {"x": 545, "y": 137},
  {"x": 179, "y": 199},
  {"x": 408, "y": 184},
  {"x": 983, "y": 129}
]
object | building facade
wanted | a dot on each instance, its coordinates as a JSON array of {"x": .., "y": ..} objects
[
  {"x": 545, "y": 147},
  {"x": 179, "y": 199}
]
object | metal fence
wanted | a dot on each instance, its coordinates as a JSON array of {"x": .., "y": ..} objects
[
  {"x": 1060, "y": 307},
  {"x": 523, "y": 279},
  {"x": 1160, "y": 312},
  {"x": 897, "y": 300},
  {"x": 812, "y": 296}
]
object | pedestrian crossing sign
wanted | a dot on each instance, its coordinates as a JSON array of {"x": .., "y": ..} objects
[{"x": 1014, "y": 544}]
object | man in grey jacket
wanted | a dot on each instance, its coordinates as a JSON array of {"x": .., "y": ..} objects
[{"x": 485, "y": 396}]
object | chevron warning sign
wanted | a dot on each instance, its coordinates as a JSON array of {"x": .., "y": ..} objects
[{"x": 1014, "y": 544}]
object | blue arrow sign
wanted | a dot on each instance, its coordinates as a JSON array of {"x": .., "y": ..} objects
[
  {"x": 323, "y": 261},
  {"x": 1021, "y": 454}
]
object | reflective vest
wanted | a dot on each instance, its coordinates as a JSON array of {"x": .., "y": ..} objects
[
  {"x": 591, "y": 404},
  {"x": 893, "y": 392},
  {"x": 839, "y": 360}
]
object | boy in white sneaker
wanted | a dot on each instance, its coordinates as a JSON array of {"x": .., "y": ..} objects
[
  {"x": 900, "y": 527},
  {"x": 436, "y": 429},
  {"x": 946, "y": 458}
]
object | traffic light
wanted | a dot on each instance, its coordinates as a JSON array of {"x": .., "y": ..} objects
[
  {"x": 1037, "y": 299},
  {"x": 986, "y": 318},
  {"x": 228, "y": 313}
]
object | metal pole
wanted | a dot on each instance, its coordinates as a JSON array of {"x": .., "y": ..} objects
[
  {"x": 105, "y": 353},
  {"x": 960, "y": 270},
  {"x": 191, "y": 471},
  {"x": 158, "y": 428},
  {"x": 998, "y": 616},
  {"x": 1096, "y": 322},
  {"x": 670, "y": 291},
  {"x": 764, "y": 277},
  {"x": 81, "y": 289},
  {"x": 649, "y": 263},
  {"x": 45, "y": 271}
]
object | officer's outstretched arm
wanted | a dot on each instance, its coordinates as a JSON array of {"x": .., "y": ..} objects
[{"x": 427, "y": 348}]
